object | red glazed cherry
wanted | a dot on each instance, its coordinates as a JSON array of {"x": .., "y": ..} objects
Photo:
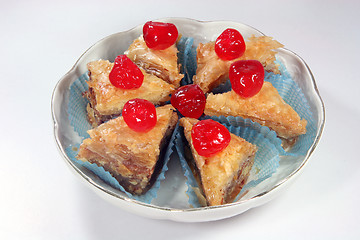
[
  {"x": 139, "y": 115},
  {"x": 230, "y": 45},
  {"x": 189, "y": 100},
  {"x": 159, "y": 36},
  {"x": 125, "y": 74},
  {"x": 246, "y": 77},
  {"x": 209, "y": 137}
]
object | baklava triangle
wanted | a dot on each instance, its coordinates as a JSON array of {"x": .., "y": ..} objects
[
  {"x": 133, "y": 158},
  {"x": 266, "y": 108},
  {"x": 162, "y": 63},
  {"x": 220, "y": 176},
  {"x": 212, "y": 71},
  {"x": 107, "y": 101}
]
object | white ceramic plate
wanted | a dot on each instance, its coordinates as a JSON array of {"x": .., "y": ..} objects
[{"x": 171, "y": 202}]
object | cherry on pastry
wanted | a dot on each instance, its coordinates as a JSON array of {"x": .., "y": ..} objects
[
  {"x": 246, "y": 77},
  {"x": 139, "y": 115},
  {"x": 230, "y": 45},
  {"x": 159, "y": 35},
  {"x": 209, "y": 137},
  {"x": 190, "y": 100},
  {"x": 126, "y": 74}
]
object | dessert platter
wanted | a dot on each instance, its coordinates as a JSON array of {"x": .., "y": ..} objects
[{"x": 187, "y": 120}]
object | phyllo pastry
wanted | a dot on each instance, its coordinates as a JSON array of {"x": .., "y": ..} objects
[
  {"x": 220, "y": 176},
  {"x": 162, "y": 63},
  {"x": 266, "y": 108},
  {"x": 133, "y": 158},
  {"x": 212, "y": 71},
  {"x": 107, "y": 101}
]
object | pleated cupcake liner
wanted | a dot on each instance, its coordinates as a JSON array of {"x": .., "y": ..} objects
[
  {"x": 266, "y": 159},
  {"x": 186, "y": 50},
  {"x": 77, "y": 106}
]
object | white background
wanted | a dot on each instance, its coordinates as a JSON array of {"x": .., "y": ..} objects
[{"x": 40, "y": 198}]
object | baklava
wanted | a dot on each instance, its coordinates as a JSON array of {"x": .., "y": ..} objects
[
  {"x": 266, "y": 108},
  {"x": 212, "y": 71},
  {"x": 133, "y": 158},
  {"x": 106, "y": 101},
  {"x": 220, "y": 176},
  {"x": 162, "y": 63}
]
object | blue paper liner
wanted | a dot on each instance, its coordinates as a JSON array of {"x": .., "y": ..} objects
[
  {"x": 288, "y": 90},
  {"x": 77, "y": 106},
  {"x": 266, "y": 159},
  {"x": 187, "y": 59},
  {"x": 292, "y": 95},
  {"x": 78, "y": 120}
]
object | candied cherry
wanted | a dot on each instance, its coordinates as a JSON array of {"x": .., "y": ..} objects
[
  {"x": 126, "y": 74},
  {"x": 139, "y": 115},
  {"x": 159, "y": 35},
  {"x": 230, "y": 45},
  {"x": 246, "y": 77},
  {"x": 190, "y": 100},
  {"x": 209, "y": 137}
]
